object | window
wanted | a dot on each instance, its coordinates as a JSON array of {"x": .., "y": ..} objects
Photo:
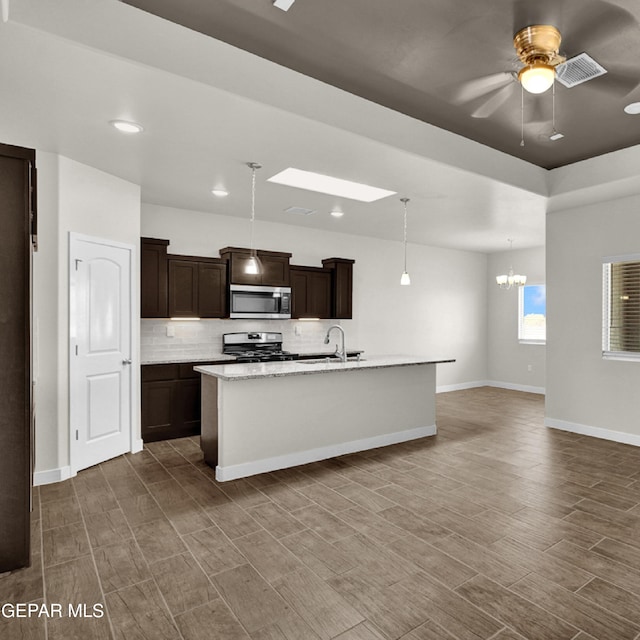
[
  {"x": 621, "y": 307},
  {"x": 532, "y": 314}
]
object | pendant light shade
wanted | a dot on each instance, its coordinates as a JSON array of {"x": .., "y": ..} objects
[
  {"x": 405, "y": 279},
  {"x": 252, "y": 266}
]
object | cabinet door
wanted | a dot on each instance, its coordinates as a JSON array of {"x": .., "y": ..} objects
[
  {"x": 183, "y": 288},
  {"x": 158, "y": 410},
  {"x": 298, "y": 294},
  {"x": 319, "y": 295},
  {"x": 237, "y": 267},
  {"x": 187, "y": 408},
  {"x": 275, "y": 271},
  {"x": 212, "y": 290},
  {"x": 153, "y": 278},
  {"x": 343, "y": 291}
]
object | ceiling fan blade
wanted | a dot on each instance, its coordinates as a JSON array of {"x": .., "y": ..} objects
[
  {"x": 473, "y": 89},
  {"x": 494, "y": 102}
]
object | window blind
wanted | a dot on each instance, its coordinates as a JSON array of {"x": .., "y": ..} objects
[{"x": 621, "y": 306}]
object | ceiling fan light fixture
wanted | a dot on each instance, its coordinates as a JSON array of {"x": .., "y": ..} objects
[{"x": 537, "y": 77}]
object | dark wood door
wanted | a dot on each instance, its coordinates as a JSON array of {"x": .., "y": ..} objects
[
  {"x": 158, "y": 410},
  {"x": 212, "y": 290},
  {"x": 183, "y": 288},
  {"x": 319, "y": 295},
  {"x": 154, "y": 300},
  {"x": 188, "y": 411},
  {"x": 341, "y": 286},
  {"x": 275, "y": 271},
  {"x": 298, "y": 293},
  {"x": 17, "y": 170}
]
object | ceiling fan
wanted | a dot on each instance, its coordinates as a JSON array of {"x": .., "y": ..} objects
[{"x": 541, "y": 62}]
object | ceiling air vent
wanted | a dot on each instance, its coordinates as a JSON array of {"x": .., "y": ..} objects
[
  {"x": 300, "y": 211},
  {"x": 578, "y": 70}
]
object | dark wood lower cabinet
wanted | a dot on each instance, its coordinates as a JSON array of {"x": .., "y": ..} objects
[{"x": 170, "y": 401}]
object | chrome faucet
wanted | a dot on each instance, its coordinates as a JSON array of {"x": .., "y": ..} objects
[{"x": 339, "y": 354}]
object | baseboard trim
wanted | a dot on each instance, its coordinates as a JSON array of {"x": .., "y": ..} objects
[
  {"x": 51, "y": 475},
  {"x": 445, "y": 388},
  {"x": 137, "y": 445},
  {"x": 516, "y": 387},
  {"x": 245, "y": 469},
  {"x": 594, "y": 432}
]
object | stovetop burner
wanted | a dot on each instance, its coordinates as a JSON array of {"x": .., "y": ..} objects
[{"x": 255, "y": 347}]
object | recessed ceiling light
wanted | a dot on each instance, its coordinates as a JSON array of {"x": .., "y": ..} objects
[
  {"x": 327, "y": 184},
  {"x": 633, "y": 108},
  {"x": 220, "y": 193},
  {"x": 126, "y": 127},
  {"x": 337, "y": 214}
]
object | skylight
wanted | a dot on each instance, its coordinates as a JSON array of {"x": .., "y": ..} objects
[{"x": 327, "y": 184}]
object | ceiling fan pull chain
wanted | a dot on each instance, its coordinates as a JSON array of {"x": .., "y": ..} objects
[{"x": 522, "y": 115}]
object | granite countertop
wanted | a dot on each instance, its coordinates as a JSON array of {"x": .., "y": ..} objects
[
  {"x": 250, "y": 371},
  {"x": 315, "y": 353}
]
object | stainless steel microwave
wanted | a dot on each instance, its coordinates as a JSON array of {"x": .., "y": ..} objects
[{"x": 253, "y": 301}]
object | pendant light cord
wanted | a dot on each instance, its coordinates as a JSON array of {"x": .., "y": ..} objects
[
  {"x": 253, "y": 205},
  {"x": 404, "y": 201}
]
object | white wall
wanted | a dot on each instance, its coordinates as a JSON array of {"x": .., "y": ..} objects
[
  {"x": 584, "y": 392},
  {"x": 442, "y": 314},
  {"x": 78, "y": 198},
  {"x": 508, "y": 360}
]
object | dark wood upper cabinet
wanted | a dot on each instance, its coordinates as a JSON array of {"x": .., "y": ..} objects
[
  {"x": 197, "y": 287},
  {"x": 212, "y": 289},
  {"x": 341, "y": 287},
  {"x": 153, "y": 278},
  {"x": 17, "y": 213},
  {"x": 310, "y": 292},
  {"x": 274, "y": 267}
]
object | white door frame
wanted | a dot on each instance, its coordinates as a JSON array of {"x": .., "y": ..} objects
[{"x": 135, "y": 443}]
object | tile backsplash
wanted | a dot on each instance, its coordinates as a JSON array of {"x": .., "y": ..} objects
[{"x": 202, "y": 339}]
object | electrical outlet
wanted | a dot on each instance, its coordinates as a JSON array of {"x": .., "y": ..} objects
[
  {"x": 529, "y": 367},
  {"x": 171, "y": 331},
  {"x": 297, "y": 330}
]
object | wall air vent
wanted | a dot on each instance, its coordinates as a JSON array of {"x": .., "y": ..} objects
[
  {"x": 300, "y": 211},
  {"x": 578, "y": 69}
]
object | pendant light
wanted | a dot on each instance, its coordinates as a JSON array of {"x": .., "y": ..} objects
[
  {"x": 405, "y": 279},
  {"x": 252, "y": 266},
  {"x": 509, "y": 280}
]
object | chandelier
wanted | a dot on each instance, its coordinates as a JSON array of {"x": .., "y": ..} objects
[{"x": 511, "y": 279}]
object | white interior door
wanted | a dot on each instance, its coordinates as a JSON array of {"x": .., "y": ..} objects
[{"x": 100, "y": 344}]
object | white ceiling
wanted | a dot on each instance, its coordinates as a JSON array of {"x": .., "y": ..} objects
[{"x": 71, "y": 66}]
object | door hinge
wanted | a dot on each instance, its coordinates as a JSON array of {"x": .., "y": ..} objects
[
  {"x": 77, "y": 262},
  {"x": 76, "y": 349},
  {"x": 77, "y": 438}
]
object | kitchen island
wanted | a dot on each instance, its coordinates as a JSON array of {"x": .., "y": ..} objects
[{"x": 259, "y": 417}]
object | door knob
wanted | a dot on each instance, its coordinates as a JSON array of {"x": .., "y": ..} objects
[{"x": 126, "y": 362}]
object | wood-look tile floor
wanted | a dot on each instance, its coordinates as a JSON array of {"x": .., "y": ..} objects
[{"x": 497, "y": 528}]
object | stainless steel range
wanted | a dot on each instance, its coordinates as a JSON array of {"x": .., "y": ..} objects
[{"x": 255, "y": 347}]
